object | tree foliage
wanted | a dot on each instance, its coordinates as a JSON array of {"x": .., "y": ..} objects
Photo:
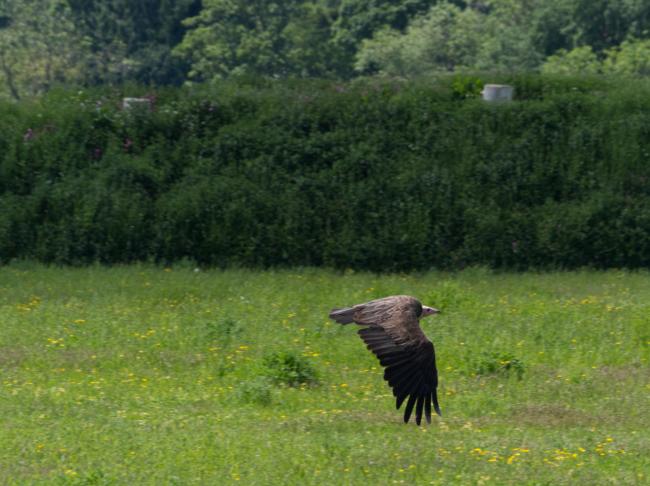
[
  {"x": 361, "y": 19},
  {"x": 631, "y": 58},
  {"x": 132, "y": 41},
  {"x": 269, "y": 38},
  {"x": 161, "y": 42},
  {"x": 39, "y": 46},
  {"x": 239, "y": 37},
  {"x": 449, "y": 38},
  {"x": 579, "y": 60}
]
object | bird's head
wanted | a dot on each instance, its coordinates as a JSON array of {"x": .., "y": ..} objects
[{"x": 429, "y": 311}]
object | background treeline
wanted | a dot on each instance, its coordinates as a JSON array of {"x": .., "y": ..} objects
[
  {"x": 378, "y": 175},
  {"x": 44, "y": 43}
]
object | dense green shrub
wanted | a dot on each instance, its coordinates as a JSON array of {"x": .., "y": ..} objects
[
  {"x": 257, "y": 391},
  {"x": 379, "y": 175},
  {"x": 494, "y": 363},
  {"x": 288, "y": 368}
]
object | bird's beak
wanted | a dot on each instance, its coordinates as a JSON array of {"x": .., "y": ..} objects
[{"x": 429, "y": 311}]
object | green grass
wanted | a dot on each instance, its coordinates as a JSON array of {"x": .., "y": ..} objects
[{"x": 144, "y": 375}]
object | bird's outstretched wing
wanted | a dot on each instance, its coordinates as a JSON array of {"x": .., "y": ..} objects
[{"x": 394, "y": 335}]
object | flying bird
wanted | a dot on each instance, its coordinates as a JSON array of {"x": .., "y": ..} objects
[{"x": 392, "y": 332}]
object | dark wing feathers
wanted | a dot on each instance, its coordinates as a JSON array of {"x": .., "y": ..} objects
[
  {"x": 418, "y": 410},
  {"x": 400, "y": 400},
  {"x": 410, "y": 369},
  {"x": 409, "y": 408},
  {"x": 394, "y": 361}
]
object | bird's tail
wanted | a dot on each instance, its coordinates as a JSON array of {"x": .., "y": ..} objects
[{"x": 343, "y": 316}]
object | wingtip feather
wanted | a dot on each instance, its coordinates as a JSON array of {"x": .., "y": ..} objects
[
  {"x": 436, "y": 407},
  {"x": 409, "y": 408},
  {"x": 418, "y": 410}
]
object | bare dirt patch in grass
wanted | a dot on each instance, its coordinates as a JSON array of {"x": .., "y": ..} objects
[
  {"x": 554, "y": 415},
  {"x": 11, "y": 357},
  {"x": 632, "y": 371}
]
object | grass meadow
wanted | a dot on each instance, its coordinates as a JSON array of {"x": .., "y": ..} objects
[{"x": 148, "y": 375}]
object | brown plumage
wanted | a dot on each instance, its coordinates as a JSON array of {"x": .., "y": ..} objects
[{"x": 392, "y": 332}]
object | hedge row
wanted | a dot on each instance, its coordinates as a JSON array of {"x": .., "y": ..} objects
[{"x": 372, "y": 175}]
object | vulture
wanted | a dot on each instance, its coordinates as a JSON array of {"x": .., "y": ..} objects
[{"x": 391, "y": 330}]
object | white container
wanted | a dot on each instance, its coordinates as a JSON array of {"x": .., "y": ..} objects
[
  {"x": 497, "y": 92},
  {"x": 137, "y": 103}
]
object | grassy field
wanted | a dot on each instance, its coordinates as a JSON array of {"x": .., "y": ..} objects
[{"x": 144, "y": 375}]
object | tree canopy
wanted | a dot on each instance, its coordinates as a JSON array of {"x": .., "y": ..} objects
[{"x": 91, "y": 42}]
